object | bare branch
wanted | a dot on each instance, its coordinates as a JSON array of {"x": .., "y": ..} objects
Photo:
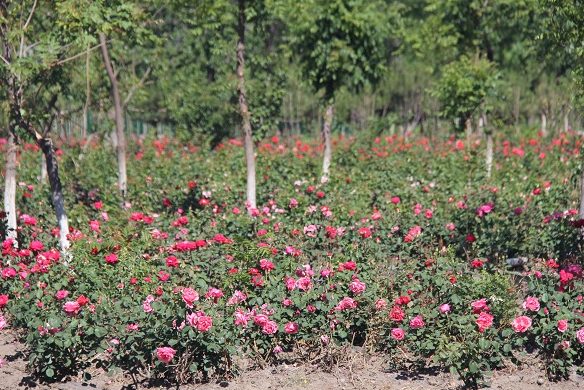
[
  {"x": 82, "y": 53},
  {"x": 30, "y": 16},
  {"x": 5, "y": 60},
  {"x": 139, "y": 85}
]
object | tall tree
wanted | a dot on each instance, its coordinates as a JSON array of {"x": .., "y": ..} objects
[
  {"x": 338, "y": 44},
  {"x": 564, "y": 25}
]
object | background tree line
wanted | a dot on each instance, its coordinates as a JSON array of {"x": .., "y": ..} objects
[{"x": 251, "y": 68}]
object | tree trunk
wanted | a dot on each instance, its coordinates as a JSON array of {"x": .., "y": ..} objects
[
  {"x": 543, "y": 123},
  {"x": 85, "y": 127},
  {"x": 10, "y": 184},
  {"x": 46, "y": 145},
  {"x": 566, "y": 120},
  {"x": 244, "y": 111},
  {"x": 119, "y": 117},
  {"x": 326, "y": 135},
  {"x": 489, "y": 153},
  {"x": 43, "y": 177}
]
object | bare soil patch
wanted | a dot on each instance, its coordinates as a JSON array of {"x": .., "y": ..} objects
[{"x": 359, "y": 373}]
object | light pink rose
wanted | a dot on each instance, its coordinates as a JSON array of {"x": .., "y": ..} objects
[
  {"x": 189, "y": 296},
  {"x": 580, "y": 336},
  {"x": 2, "y": 322},
  {"x": 398, "y": 334},
  {"x": 521, "y": 324},
  {"x": 531, "y": 303},
  {"x": 291, "y": 328},
  {"x": 444, "y": 308},
  {"x": 357, "y": 286},
  {"x": 261, "y": 319},
  {"x": 71, "y": 308},
  {"x": 165, "y": 354}
]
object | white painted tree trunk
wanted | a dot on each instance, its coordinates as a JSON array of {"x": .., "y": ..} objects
[
  {"x": 57, "y": 196},
  {"x": 326, "y": 134},
  {"x": 43, "y": 176},
  {"x": 10, "y": 185},
  {"x": 543, "y": 123},
  {"x": 489, "y": 159},
  {"x": 244, "y": 111},
  {"x": 119, "y": 117}
]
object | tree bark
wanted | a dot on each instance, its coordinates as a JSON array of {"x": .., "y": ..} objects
[
  {"x": 326, "y": 135},
  {"x": 244, "y": 111},
  {"x": 10, "y": 184},
  {"x": 544, "y": 123},
  {"x": 46, "y": 145},
  {"x": 43, "y": 176},
  {"x": 119, "y": 117},
  {"x": 489, "y": 159}
]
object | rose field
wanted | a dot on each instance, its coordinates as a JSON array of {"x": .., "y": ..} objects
[{"x": 409, "y": 251}]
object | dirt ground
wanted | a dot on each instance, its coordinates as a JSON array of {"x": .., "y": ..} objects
[{"x": 361, "y": 374}]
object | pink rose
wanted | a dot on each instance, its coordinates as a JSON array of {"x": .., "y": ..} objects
[
  {"x": 165, "y": 354},
  {"x": 521, "y": 324},
  {"x": 444, "y": 308},
  {"x": 562, "y": 325},
  {"x": 346, "y": 303},
  {"x": 62, "y": 294},
  {"x": 398, "y": 334},
  {"x": 531, "y": 303},
  {"x": 204, "y": 323},
  {"x": 2, "y": 322},
  {"x": 261, "y": 319},
  {"x": 357, "y": 286},
  {"x": 190, "y": 296},
  {"x": 396, "y": 314},
  {"x": 71, "y": 308},
  {"x": 479, "y": 306},
  {"x": 291, "y": 328},
  {"x": 484, "y": 321},
  {"x": 417, "y": 322},
  {"x": 580, "y": 336},
  {"x": 380, "y": 304},
  {"x": 270, "y": 327}
]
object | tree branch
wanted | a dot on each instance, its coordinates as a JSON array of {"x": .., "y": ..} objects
[
  {"x": 137, "y": 86},
  {"x": 82, "y": 53}
]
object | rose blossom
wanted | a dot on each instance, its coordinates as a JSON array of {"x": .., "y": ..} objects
[
  {"x": 562, "y": 325},
  {"x": 521, "y": 324},
  {"x": 580, "y": 336},
  {"x": 484, "y": 321},
  {"x": 357, "y": 286},
  {"x": 531, "y": 303},
  {"x": 417, "y": 322},
  {"x": 2, "y": 322},
  {"x": 62, "y": 294},
  {"x": 190, "y": 296},
  {"x": 444, "y": 308},
  {"x": 398, "y": 334},
  {"x": 270, "y": 327},
  {"x": 396, "y": 314},
  {"x": 165, "y": 354},
  {"x": 71, "y": 308},
  {"x": 380, "y": 304},
  {"x": 480, "y": 305},
  {"x": 291, "y": 328},
  {"x": 346, "y": 303}
]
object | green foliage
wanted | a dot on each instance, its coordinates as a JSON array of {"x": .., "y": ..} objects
[{"x": 464, "y": 87}]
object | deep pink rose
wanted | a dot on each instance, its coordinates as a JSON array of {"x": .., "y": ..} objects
[
  {"x": 398, "y": 334},
  {"x": 396, "y": 314},
  {"x": 562, "y": 325},
  {"x": 357, "y": 286},
  {"x": 417, "y": 322},
  {"x": 291, "y": 328},
  {"x": 270, "y": 327},
  {"x": 62, "y": 294},
  {"x": 521, "y": 324},
  {"x": 580, "y": 336},
  {"x": 165, "y": 354}
]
